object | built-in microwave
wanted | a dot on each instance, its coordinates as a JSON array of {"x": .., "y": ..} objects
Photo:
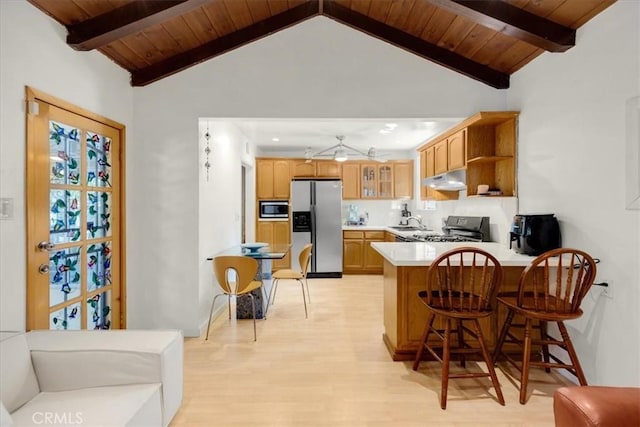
[{"x": 273, "y": 210}]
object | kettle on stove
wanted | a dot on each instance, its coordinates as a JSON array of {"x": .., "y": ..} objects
[{"x": 534, "y": 234}]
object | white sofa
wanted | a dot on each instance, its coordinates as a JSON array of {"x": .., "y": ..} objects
[{"x": 90, "y": 378}]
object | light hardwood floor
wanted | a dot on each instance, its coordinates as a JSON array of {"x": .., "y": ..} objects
[{"x": 333, "y": 369}]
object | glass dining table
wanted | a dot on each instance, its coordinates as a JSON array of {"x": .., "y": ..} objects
[{"x": 264, "y": 255}]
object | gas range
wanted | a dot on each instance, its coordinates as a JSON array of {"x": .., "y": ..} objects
[
  {"x": 442, "y": 238},
  {"x": 456, "y": 229}
]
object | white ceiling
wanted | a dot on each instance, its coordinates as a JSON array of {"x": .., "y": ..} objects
[{"x": 383, "y": 134}]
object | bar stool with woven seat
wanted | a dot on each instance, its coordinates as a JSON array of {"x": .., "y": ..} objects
[
  {"x": 303, "y": 259},
  {"x": 550, "y": 289},
  {"x": 461, "y": 285},
  {"x": 245, "y": 269}
]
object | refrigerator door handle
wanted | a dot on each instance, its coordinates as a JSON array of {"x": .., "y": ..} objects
[{"x": 313, "y": 238}]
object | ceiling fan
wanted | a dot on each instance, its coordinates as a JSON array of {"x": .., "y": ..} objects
[{"x": 340, "y": 152}]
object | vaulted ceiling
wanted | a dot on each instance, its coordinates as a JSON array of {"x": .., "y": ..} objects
[{"x": 487, "y": 40}]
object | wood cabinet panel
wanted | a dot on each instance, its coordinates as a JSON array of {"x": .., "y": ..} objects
[
  {"x": 358, "y": 255},
  {"x": 403, "y": 180},
  {"x": 275, "y": 232},
  {"x": 327, "y": 169},
  {"x": 373, "y": 261},
  {"x": 264, "y": 179},
  {"x": 302, "y": 168},
  {"x": 423, "y": 174},
  {"x": 353, "y": 255},
  {"x": 282, "y": 235},
  {"x": 350, "y": 181},
  {"x": 440, "y": 157},
  {"x": 281, "y": 180},
  {"x": 272, "y": 179},
  {"x": 456, "y": 150}
]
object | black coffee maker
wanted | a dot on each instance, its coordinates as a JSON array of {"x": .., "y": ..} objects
[{"x": 534, "y": 234}]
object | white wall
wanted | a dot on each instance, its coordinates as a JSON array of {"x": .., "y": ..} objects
[
  {"x": 33, "y": 52},
  {"x": 317, "y": 69},
  {"x": 571, "y": 162}
]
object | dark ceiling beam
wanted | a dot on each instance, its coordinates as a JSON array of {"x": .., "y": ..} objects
[
  {"x": 125, "y": 21},
  {"x": 416, "y": 45},
  {"x": 512, "y": 21},
  {"x": 224, "y": 44}
]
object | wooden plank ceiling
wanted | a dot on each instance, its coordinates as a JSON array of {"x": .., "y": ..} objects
[{"x": 486, "y": 40}]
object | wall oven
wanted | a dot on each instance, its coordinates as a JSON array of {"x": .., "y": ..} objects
[{"x": 273, "y": 210}]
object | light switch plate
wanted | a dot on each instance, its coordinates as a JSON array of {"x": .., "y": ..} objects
[{"x": 6, "y": 208}]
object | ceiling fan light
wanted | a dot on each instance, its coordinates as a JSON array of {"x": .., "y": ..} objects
[{"x": 340, "y": 155}]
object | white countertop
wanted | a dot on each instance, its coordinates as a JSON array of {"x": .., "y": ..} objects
[
  {"x": 407, "y": 233},
  {"x": 421, "y": 253}
]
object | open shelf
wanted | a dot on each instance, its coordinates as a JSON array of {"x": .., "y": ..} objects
[{"x": 488, "y": 159}]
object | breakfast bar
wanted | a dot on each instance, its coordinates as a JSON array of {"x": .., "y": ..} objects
[{"x": 405, "y": 273}]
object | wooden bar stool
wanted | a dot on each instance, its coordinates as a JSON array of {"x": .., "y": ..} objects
[
  {"x": 547, "y": 293},
  {"x": 461, "y": 285}
]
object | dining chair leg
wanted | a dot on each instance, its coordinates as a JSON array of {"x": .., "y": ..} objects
[
  {"x": 274, "y": 288},
  {"x": 526, "y": 357},
  {"x": 304, "y": 299},
  {"x": 545, "y": 347},
  {"x": 503, "y": 336},
  {"x": 213, "y": 303},
  {"x": 253, "y": 309},
  {"x": 425, "y": 337},
  {"x": 306, "y": 282},
  {"x": 488, "y": 361},
  {"x": 265, "y": 305},
  {"x": 446, "y": 356},
  {"x": 572, "y": 354},
  {"x": 460, "y": 332}
]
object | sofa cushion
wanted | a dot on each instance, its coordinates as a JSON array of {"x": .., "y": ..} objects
[
  {"x": 130, "y": 405},
  {"x": 69, "y": 370},
  {"x": 126, "y": 356},
  {"x": 18, "y": 383}
]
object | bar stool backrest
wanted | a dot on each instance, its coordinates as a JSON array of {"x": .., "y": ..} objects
[
  {"x": 556, "y": 281},
  {"x": 465, "y": 279}
]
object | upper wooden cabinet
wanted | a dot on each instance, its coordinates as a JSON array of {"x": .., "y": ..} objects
[
  {"x": 303, "y": 168},
  {"x": 350, "y": 180},
  {"x": 272, "y": 179},
  {"x": 484, "y": 145},
  {"x": 456, "y": 154},
  {"x": 440, "y": 157},
  {"x": 403, "y": 180},
  {"x": 328, "y": 169},
  {"x": 360, "y": 179}
]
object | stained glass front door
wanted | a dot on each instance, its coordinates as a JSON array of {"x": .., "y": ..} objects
[{"x": 74, "y": 228}]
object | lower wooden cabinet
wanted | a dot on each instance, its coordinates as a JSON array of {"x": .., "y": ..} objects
[
  {"x": 358, "y": 255},
  {"x": 275, "y": 232}
]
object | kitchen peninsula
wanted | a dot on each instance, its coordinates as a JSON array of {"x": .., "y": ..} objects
[{"x": 405, "y": 272}]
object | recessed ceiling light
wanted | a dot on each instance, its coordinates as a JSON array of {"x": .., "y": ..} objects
[
  {"x": 275, "y": 139},
  {"x": 391, "y": 125},
  {"x": 384, "y": 131}
]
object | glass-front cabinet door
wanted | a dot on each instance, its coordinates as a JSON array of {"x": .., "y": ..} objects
[
  {"x": 369, "y": 179},
  {"x": 385, "y": 181}
]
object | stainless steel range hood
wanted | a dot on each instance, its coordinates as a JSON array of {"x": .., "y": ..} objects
[{"x": 448, "y": 181}]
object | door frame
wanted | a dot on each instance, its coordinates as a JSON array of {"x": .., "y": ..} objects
[{"x": 32, "y": 96}]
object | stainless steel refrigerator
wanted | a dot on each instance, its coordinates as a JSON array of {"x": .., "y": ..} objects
[{"x": 316, "y": 212}]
